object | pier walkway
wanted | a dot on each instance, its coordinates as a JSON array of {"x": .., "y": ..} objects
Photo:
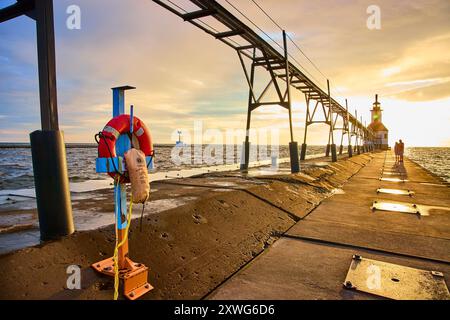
[
  {"x": 311, "y": 260},
  {"x": 262, "y": 235}
]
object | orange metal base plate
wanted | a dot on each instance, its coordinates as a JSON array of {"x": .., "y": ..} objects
[{"x": 134, "y": 277}]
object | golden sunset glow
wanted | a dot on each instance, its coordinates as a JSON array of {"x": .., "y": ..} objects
[{"x": 184, "y": 75}]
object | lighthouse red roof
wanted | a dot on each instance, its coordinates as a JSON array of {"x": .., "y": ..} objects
[{"x": 377, "y": 126}]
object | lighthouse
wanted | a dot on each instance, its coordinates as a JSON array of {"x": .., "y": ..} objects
[{"x": 377, "y": 126}]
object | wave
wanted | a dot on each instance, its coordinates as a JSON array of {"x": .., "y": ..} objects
[{"x": 17, "y": 228}]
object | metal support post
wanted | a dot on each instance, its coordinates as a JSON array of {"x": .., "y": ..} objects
[
  {"x": 350, "y": 150},
  {"x": 293, "y": 145},
  {"x": 47, "y": 145},
  {"x": 331, "y": 147}
]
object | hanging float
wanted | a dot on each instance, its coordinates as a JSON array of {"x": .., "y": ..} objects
[{"x": 125, "y": 152}]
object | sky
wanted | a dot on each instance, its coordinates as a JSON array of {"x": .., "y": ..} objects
[{"x": 183, "y": 75}]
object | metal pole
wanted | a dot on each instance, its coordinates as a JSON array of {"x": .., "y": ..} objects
[
  {"x": 47, "y": 64},
  {"x": 350, "y": 150},
  {"x": 358, "y": 150},
  {"x": 331, "y": 136},
  {"x": 47, "y": 146},
  {"x": 246, "y": 160},
  {"x": 366, "y": 138},
  {"x": 303, "y": 151},
  {"x": 293, "y": 145},
  {"x": 288, "y": 85},
  {"x": 16, "y": 10},
  {"x": 330, "y": 115},
  {"x": 120, "y": 190},
  {"x": 327, "y": 151},
  {"x": 362, "y": 136}
]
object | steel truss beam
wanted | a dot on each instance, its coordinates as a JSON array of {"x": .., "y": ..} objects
[
  {"x": 256, "y": 99},
  {"x": 249, "y": 44},
  {"x": 21, "y": 7}
]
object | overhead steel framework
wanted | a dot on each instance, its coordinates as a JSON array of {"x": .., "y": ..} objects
[
  {"x": 248, "y": 44},
  {"x": 48, "y": 149}
]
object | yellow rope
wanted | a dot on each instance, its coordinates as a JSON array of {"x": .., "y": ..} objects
[{"x": 116, "y": 250}]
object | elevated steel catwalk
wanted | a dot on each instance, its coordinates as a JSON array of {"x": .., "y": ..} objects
[{"x": 242, "y": 38}]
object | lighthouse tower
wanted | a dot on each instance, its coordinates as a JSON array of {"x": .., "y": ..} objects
[{"x": 377, "y": 126}]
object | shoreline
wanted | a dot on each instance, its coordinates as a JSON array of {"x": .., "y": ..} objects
[
  {"x": 217, "y": 235},
  {"x": 431, "y": 173},
  {"x": 18, "y": 232},
  {"x": 232, "y": 219},
  {"x": 101, "y": 184}
]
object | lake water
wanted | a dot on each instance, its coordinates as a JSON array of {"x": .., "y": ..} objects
[
  {"x": 436, "y": 160},
  {"x": 16, "y": 171}
]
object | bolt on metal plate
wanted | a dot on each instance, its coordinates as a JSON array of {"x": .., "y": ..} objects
[
  {"x": 395, "y": 281},
  {"x": 396, "y": 192},
  {"x": 396, "y": 207}
]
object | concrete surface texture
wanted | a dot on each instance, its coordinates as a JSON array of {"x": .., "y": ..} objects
[
  {"x": 252, "y": 235},
  {"x": 312, "y": 258},
  {"x": 191, "y": 247}
]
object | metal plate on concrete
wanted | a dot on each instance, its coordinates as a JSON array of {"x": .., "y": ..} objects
[
  {"x": 396, "y": 192},
  {"x": 434, "y": 184},
  {"x": 393, "y": 179},
  {"x": 395, "y": 206},
  {"x": 321, "y": 164},
  {"x": 390, "y": 173},
  {"x": 395, "y": 281}
]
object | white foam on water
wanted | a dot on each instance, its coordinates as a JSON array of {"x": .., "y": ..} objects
[{"x": 93, "y": 185}]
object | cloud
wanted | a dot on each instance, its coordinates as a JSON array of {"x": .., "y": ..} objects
[
  {"x": 426, "y": 93},
  {"x": 183, "y": 74}
]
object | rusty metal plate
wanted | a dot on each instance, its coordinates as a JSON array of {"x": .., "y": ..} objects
[
  {"x": 396, "y": 192},
  {"x": 395, "y": 281},
  {"x": 396, "y": 207}
]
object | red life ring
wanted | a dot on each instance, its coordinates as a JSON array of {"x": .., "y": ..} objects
[{"x": 141, "y": 138}]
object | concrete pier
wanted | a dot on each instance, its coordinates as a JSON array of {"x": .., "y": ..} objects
[
  {"x": 259, "y": 235},
  {"x": 311, "y": 260}
]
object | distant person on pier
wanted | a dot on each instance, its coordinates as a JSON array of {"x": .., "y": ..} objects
[
  {"x": 397, "y": 157},
  {"x": 401, "y": 149}
]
